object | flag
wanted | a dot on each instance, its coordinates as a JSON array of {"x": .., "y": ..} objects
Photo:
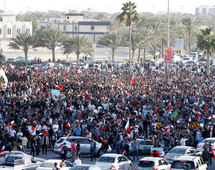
[
  {"x": 33, "y": 129},
  {"x": 136, "y": 126},
  {"x": 67, "y": 125},
  {"x": 213, "y": 152},
  {"x": 46, "y": 84},
  {"x": 133, "y": 80},
  {"x": 66, "y": 74},
  {"x": 190, "y": 120},
  {"x": 212, "y": 116},
  {"x": 120, "y": 84},
  {"x": 5, "y": 125},
  {"x": 39, "y": 75},
  {"x": 35, "y": 123},
  {"x": 12, "y": 123},
  {"x": 174, "y": 115},
  {"x": 199, "y": 114},
  {"x": 60, "y": 87},
  {"x": 2, "y": 149},
  {"x": 127, "y": 127},
  {"x": 50, "y": 68},
  {"x": 167, "y": 128},
  {"x": 85, "y": 93},
  {"x": 70, "y": 110},
  {"x": 176, "y": 89},
  {"x": 77, "y": 71}
]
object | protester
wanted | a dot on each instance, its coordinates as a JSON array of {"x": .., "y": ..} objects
[
  {"x": 73, "y": 150},
  {"x": 77, "y": 161}
]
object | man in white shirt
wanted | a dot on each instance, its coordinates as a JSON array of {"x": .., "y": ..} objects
[{"x": 77, "y": 161}]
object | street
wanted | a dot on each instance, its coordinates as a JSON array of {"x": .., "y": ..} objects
[{"x": 86, "y": 160}]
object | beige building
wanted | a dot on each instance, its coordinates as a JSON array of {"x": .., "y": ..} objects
[
  {"x": 75, "y": 24},
  {"x": 10, "y": 28}
]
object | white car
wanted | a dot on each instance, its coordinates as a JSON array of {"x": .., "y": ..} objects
[
  {"x": 84, "y": 145},
  {"x": 49, "y": 165},
  {"x": 85, "y": 167},
  {"x": 192, "y": 162},
  {"x": 114, "y": 162},
  {"x": 153, "y": 163},
  {"x": 20, "y": 59},
  {"x": 19, "y": 162},
  {"x": 201, "y": 144}
]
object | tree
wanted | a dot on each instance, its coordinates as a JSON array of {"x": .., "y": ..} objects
[
  {"x": 50, "y": 38},
  {"x": 206, "y": 41},
  {"x": 112, "y": 40},
  {"x": 191, "y": 25},
  {"x": 23, "y": 41},
  {"x": 78, "y": 45},
  {"x": 129, "y": 15}
]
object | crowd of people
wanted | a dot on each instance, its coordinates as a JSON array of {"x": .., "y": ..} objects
[{"x": 173, "y": 107}]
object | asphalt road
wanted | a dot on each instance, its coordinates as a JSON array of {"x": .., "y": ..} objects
[{"x": 86, "y": 160}]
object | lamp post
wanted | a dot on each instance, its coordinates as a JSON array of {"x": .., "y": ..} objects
[{"x": 168, "y": 42}]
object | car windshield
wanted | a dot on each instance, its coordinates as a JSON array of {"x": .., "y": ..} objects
[
  {"x": 79, "y": 168},
  {"x": 14, "y": 160},
  {"x": 183, "y": 164},
  {"x": 106, "y": 159},
  {"x": 208, "y": 140},
  {"x": 47, "y": 164},
  {"x": 146, "y": 164},
  {"x": 60, "y": 141},
  {"x": 178, "y": 150}
]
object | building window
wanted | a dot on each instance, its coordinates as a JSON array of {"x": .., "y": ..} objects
[
  {"x": 9, "y": 31},
  {"x": 0, "y": 19},
  {"x": 27, "y": 30},
  {"x": 67, "y": 17},
  {"x": 76, "y": 28},
  {"x": 18, "y": 30},
  {"x": 92, "y": 27},
  {"x": 0, "y": 31}
]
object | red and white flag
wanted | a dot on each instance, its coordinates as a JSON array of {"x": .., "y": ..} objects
[
  {"x": 12, "y": 123},
  {"x": 127, "y": 127},
  {"x": 133, "y": 80},
  {"x": 2, "y": 149},
  {"x": 190, "y": 120},
  {"x": 212, "y": 116},
  {"x": 67, "y": 125}
]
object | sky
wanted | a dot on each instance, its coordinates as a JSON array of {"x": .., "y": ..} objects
[{"x": 111, "y": 6}]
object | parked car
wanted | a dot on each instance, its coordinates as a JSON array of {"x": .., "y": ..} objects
[
  {"x": 114, "y": 162},
  {"x": 201, "y": 144},
  {"x": 19, "y": 162},
  {"x": 10, "y": 60},
  {"x": 202, "y": 61},
  {"x": 84, "y": 144},
  {"x": 179, "y": 151},
  {"x": 153, "y": 163},
  {"x": 87, "y": 59},
  {"x": 20, "y": 59},
  {"x": 85, "y": 167},
  {"x": 192, "y": 162},
  {"x": 145, "y": 146},
  {"x": 49, "y": 165}
]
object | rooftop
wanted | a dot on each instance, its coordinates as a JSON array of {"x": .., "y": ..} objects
[{"x": 73, "y": 14}]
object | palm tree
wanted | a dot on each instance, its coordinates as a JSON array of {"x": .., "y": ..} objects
[
  {"x": 206, "y": 41},
  {"x": 129, "y": 15},
  {"x": 2, "y": 58},
  {"x": 23, "y": 41},
  {"x": 50, "y": 38},
  {"x": 78, "y": 45},
  {"x": 112, "y": 40},
  {"x": 191, "y": 25}
]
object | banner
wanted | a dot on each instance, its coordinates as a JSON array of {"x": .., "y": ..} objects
[
  {"x": 168, "y": 55},
  {"x": 174, "y": 115}
]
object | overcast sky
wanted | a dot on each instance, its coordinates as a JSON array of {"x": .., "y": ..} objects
[{"x": 102, "y": 5}]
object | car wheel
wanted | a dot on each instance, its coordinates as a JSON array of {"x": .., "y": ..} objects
[{"x": 69, "y": 154}]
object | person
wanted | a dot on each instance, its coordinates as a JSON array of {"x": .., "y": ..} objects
[
  {"x": 210, "y": 158},
  {"x": 78, "y": 147},
  {"x": 62, "y": 164},
  {"x": 206, "y": 156},
  {"x": 126, "y": 150},
  {"x": 135, "y": 146},
  {"x": 37, "y": 144},
  {"x": 24, "y": 142},
  {"x": 77, "y": 161},
  {"x": 33, "y": 147},
  {"x": 55, "y": 166},
  {"x": 44, "y": 143},
  {"x": 64, "y": 151},
  {"x": 73, "y": 150},
  {"x": 92, "y": 150}
]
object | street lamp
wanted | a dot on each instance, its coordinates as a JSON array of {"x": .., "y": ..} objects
[{"x": 168, "y": 42}]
